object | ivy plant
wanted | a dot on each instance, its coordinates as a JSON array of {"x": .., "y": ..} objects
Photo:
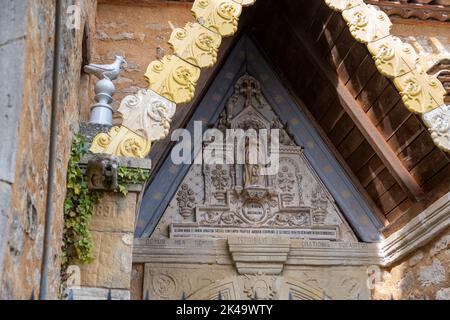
[
  {"x": 127, "y": 176},
  {"x": 77, "y": 240},
  {"x": 79, "y": 204}
]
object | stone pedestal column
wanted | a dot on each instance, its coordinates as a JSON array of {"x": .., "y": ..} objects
[{"x": 112, "y": 227}]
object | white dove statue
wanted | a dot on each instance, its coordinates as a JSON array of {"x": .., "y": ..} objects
[
  {"x": 109, "y": 71},
  {"x": 102, "y": 112}
]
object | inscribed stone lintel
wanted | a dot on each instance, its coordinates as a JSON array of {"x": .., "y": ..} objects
[{"x": 195, "y": 231}]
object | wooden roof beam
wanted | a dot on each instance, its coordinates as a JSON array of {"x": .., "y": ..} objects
[{"x": 363, "y": 123}]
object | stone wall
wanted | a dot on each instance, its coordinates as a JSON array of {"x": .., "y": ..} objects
[
  {"x": 27, "y": 45},
  {"x": 422, "y": 275},
  {"x": 27, "y": 37},
  {"x": 12, "y": 41}
]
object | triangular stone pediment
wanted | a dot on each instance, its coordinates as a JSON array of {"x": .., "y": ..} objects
[{"x": 183, "y": 201}]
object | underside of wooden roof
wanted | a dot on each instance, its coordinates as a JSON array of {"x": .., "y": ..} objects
[
  {"x": 429, "y": 10},
  {"x": 385, "y": 149}
]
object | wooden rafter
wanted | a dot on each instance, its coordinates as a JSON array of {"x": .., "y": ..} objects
[{"x": 363, "y": 123}]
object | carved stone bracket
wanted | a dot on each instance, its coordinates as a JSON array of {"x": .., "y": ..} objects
[
  {"x": 147, "y": 114},
  {"x": 196, "y": 44},
  {"x": 269, "y": 257},
  {"x": 217, "y": 15},
  {"x": 102, "y": 173},
  {"x": 173, "y": 78},
  {"x": 121, "y": 141}
]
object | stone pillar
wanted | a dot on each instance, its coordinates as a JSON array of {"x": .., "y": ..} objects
[{"x": 112, "y": 227}]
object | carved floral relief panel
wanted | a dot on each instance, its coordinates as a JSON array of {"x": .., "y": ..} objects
[{"x": 203, "y": 282}]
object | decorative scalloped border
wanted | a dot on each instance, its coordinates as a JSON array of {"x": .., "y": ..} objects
[
  {"x": 195, "y": 46},
  {"x": 175, "y": 76}
]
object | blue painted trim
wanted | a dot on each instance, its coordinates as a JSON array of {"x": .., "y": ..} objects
[
  {"x": 169, "y": 177},
  {"x": 246, "y": 58},
  {"x": 355, "y": 209}
]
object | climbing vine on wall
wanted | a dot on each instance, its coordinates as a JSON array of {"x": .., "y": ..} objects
[
  {"x": 79, "y": 204},
  {"x": 127, "y": 176}
]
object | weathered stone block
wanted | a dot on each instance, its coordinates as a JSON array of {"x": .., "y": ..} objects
[
  {"x": 441, "y": 245},
  {"x": 12, "y": 22},
  {"x": 432, "y": 274},
  {"x": 443, "y": 294},
  {"x": 11, "y": 84},
  {"x": 5, "y": 198},
  {"x": 12, "y": 46},
  {"x": 90, "y": 130},
  {"x": 113, "y": 261},
  {"x": 114, "y": 213}
]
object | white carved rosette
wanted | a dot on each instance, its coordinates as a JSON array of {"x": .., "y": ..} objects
[{"x": 438, "y": 122}]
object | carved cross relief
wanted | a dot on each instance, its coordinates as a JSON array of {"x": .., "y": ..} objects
[
  {"x": 262, "y": 218},
  {"x": 223, "y": 200}
]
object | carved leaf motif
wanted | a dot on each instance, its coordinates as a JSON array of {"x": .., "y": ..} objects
[
  {"x": 220, "y": 16},
  {"x": 147, "y": 113},
  {"x": 393, "y": 57},
  {"x": 196, "y": 44},
  {"x": 438, "y": 122},
  {"x": 286, "y": 180},
  {"x": 260, "y": 287},
  {"x": 320, "y": 205},
  {"x": 121, "y": 141},
  {"x": 367, "y": 23},
  {"x": 420, "y": 92},
  {"x": 173, "y": 78},
  {"x": 220, "y": 178},
  {"x": 164, "y": 285}
]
